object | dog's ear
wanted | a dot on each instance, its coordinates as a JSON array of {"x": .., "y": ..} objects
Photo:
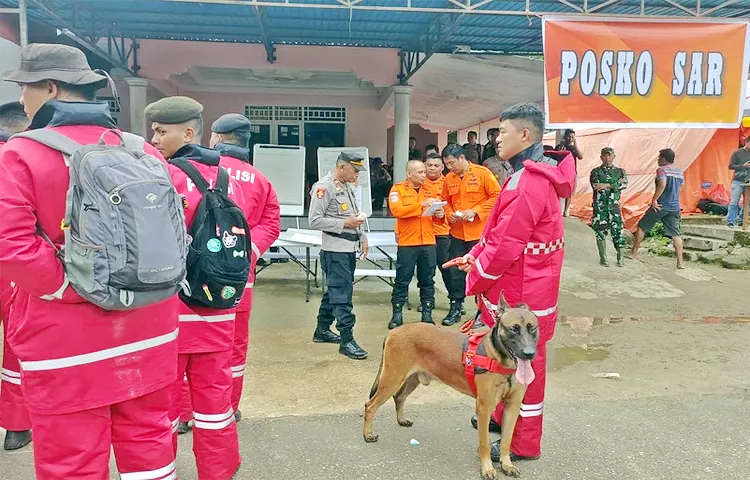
[{"x": 502, "y": 304}]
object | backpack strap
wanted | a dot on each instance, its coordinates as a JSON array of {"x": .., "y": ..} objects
[
  {"x": 192, "y": 173},
  {"x": 133, "y": 141},
  {"x": 52, "y": 139},
  {"x": 222, "y": 181}
]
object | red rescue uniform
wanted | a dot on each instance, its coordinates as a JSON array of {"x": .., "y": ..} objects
[
  {"x": 93, "y": 380},
  {"x": 205, "y": 345}
]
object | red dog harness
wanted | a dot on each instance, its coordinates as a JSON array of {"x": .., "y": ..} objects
[{"x": 478, "y": 362}]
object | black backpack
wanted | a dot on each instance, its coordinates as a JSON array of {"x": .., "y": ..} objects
[{"x": 218, "y": 261}]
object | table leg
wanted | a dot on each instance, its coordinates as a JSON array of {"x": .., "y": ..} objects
[
  {"x": 307, "y": 269},
  {"x": 746, "y": 205}
]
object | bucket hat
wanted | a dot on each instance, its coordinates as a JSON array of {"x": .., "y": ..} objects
[{"x": 43, "y": 61}]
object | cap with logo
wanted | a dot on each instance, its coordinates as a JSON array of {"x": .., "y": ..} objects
[
  {"x": 354, "y": 159},
  {"x": 173, "y": 110}
]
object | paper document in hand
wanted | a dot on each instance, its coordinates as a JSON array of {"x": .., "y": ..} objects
[{"x": 433, "y": 208}]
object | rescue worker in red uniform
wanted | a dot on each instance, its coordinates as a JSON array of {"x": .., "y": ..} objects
[
  {"x": 521, "y": 254},
  {"x": 230, "y": 134},
  {"x": 93, "y": 380},
  {"x": 408, "y": 201},
  {"x": 206, "y": 334},
  {"x": 14, "y": 417}
]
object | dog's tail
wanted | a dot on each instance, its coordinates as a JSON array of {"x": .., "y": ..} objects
[{"x": 380, "y": 370}]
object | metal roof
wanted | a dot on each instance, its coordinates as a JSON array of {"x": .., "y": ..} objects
[{"x": 415, "y": 25}]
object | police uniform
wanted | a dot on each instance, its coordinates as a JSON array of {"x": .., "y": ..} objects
[
  {"x": 607, "y": 209},
  {"x": 416, "y": 247},
  {"x": 331, "y": 202}
]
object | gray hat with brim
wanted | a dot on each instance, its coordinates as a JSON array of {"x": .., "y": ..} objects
[
  {"x": 43, "y": 61},
  {"x": 231, "y": 122},
  {"x": 354, "y": 159}
]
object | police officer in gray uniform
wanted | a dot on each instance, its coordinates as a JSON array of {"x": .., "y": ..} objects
[{"x": 334, "y": 211}]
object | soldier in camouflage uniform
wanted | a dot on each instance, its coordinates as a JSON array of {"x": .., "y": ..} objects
[{"x": 608, "y": 181}]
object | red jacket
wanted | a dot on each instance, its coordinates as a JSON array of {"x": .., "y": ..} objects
[
  {"x": 520, "y": 251},
  {"x": 262, "y": 211},
  {"x": 74, "y": 355},
  {"x": 203, "y": 330},
  {"x": 5, "y": 289}
]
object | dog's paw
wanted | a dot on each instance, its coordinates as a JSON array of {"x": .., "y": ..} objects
[
  {"x": 510, "y": 470},
  {"x": 489, "y": 473},
  {"x": 371, "y": 438},
  {"x": 405, "y": 423}
]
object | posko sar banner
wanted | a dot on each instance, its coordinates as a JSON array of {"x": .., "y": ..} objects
[{"x": 638, "y": 74}]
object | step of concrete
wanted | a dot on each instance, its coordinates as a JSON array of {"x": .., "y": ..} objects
[
  {"x": 719, "y": 232},
  {"x": 703, "y": 219},
  {"x": 702, "y": 244}
]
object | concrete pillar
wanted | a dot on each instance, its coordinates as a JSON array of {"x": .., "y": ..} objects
[
  {"x": 138, "y": 89},
  {"x": 401, "y": 94}
]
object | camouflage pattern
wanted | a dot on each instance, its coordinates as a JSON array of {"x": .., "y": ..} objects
[{"x": 607, "y": 209}]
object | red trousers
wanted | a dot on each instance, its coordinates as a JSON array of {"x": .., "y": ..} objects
[
  {"x": 239, "y": 358},
  {"x": 13, "y": 413},
  {"x": 527, "y": 437},
  {"x": 215, "y": 442},
  {"x": 76, "y": 446}
]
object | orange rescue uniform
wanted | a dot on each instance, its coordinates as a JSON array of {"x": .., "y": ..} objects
[
  {"x": 412, "y": 229},
  {"x": 436, "y": 191},
  {"x": 477, "y": 190}
]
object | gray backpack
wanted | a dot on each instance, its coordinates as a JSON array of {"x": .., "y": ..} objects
[{"x": 125, "y": 236}]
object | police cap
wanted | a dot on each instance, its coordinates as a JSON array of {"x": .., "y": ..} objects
[
  {"x": 230, "y": 123},
  {"x": 354, "y": 159},
  {"x": 174, "y": 110}
]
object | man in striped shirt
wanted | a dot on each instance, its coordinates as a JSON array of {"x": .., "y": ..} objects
[{"x": 665, "y": 206}]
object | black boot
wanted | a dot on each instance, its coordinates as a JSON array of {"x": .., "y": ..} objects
[
  {"x": 237, "y": 416},
  {"x": 350, "y": 348},
  {"x": 427, "y": 312},
  {"x": 397, "y": 319},
  {"x": 182, "y": 428},
  {"x": 494, "y": 427},
  {"x": 454, "y": 314},
  {"x": 16, "y": 440},
  {"x": 323, "y": 333},
  {"x": 495, "y": 454}
]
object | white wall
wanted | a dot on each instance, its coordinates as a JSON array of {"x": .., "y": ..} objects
[{"x": 10, "y": 56}]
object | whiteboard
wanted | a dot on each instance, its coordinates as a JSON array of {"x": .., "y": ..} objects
[
  {"x": 327, "y": 157},
  {"x": 285, "y": 168}
]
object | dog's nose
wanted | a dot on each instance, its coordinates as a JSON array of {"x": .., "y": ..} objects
[{"x": 528, "y": 353}]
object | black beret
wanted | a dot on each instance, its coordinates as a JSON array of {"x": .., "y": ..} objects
[
  {"x": 231, "y": 122},
  {"x": 173, "y": 110}
]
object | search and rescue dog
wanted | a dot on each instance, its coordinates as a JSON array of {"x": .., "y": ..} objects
[{"x": 417, "y": 353}]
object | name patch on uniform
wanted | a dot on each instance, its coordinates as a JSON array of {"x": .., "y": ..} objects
[{"x": 320, "y": 192}]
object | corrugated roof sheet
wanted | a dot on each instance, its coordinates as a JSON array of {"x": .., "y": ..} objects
[{"x": 370, "y": 23}]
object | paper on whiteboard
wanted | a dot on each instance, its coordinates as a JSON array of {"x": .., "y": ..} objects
[{"x": 433, "y": 208}]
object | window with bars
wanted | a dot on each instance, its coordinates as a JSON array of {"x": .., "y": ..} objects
[
  {"x": 114, "y": 109},
  {"x": 296, "y": 114}
]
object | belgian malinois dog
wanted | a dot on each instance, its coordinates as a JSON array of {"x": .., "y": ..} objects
[{"x": 417, "y": 353}]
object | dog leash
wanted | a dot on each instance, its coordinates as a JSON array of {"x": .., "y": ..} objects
[{"x": 469, "y": 324}]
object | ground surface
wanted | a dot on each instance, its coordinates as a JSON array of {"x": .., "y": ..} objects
[{"x": 679, "y": 341}]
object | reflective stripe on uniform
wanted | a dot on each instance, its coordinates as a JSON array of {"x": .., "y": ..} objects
[
  {"x": 249, "y": 284},
  {"x": 10, "y": 376},
  {"x": 238, "y": 371},
  {"x": 151, "y": 474},
  {"x": 482, "y": 272},
  {"x": 544, "y": 313},
  {"x": 175, "y": 422},
  {"x": 544, "y": 248},
  {"x": 213, "y": 422},
  {"x": 192, "y": 317},
  {"x": 534, "y": 410},
  {"x": 255, "y": 249},
  {"x": 106, "y": 354}
]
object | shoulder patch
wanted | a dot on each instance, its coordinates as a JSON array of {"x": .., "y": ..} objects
[
  {"x": 320, "y": 191},
  {"x": 393, "y": 197}
]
